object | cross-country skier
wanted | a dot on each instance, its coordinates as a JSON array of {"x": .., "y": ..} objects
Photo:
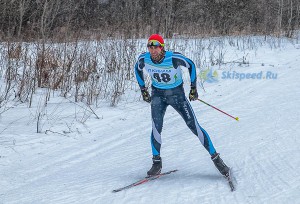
[{"x": 167, "y": 89}]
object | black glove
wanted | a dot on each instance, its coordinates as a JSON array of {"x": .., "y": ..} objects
[
  {"x": 146, "y": 95},
  {"x": 193, "y": 94}
]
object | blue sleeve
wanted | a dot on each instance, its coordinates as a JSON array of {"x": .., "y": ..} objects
[
  {"x": 181, "y": 60},
  {"x": 138, "y": 70}
]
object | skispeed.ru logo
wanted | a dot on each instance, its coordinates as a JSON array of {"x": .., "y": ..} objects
[
  {"x": 241, "y": 76},
  {"x": 211, "y": 76}
]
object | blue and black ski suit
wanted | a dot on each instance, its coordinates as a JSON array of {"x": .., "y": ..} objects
[{"x": 167, "y": 89}]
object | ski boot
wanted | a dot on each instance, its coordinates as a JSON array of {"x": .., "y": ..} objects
[
  {"x": 221, "y": 166},
  {"x": 156, "y": 166}
]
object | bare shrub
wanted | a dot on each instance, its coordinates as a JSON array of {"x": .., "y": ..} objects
[{"x": 46, "y": 64}]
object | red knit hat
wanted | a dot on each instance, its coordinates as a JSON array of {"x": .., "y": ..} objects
[{"x": 158, "y": 38}]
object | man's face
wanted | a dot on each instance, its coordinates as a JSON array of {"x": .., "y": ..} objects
[
  {"x": 155, "y": 51},
  {"x": 155, "y": 48}
]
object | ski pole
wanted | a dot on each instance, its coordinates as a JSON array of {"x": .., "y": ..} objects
[{"x": 236, "y": 118}]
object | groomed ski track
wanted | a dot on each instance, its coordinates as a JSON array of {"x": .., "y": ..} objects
[{"x": 113, "y": 151}]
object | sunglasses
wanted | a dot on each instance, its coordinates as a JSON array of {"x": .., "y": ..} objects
[{"x": 155, "y": 43}]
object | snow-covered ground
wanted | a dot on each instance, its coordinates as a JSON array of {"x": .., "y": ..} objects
[{"x": 82, "y": 159}]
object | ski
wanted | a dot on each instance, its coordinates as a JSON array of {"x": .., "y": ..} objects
[
  {"x": 144, "y": 180},
  {"x": 229, "y": 179}
]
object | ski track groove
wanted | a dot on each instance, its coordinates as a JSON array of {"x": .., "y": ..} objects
[{"x": 59, "y": 163}]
